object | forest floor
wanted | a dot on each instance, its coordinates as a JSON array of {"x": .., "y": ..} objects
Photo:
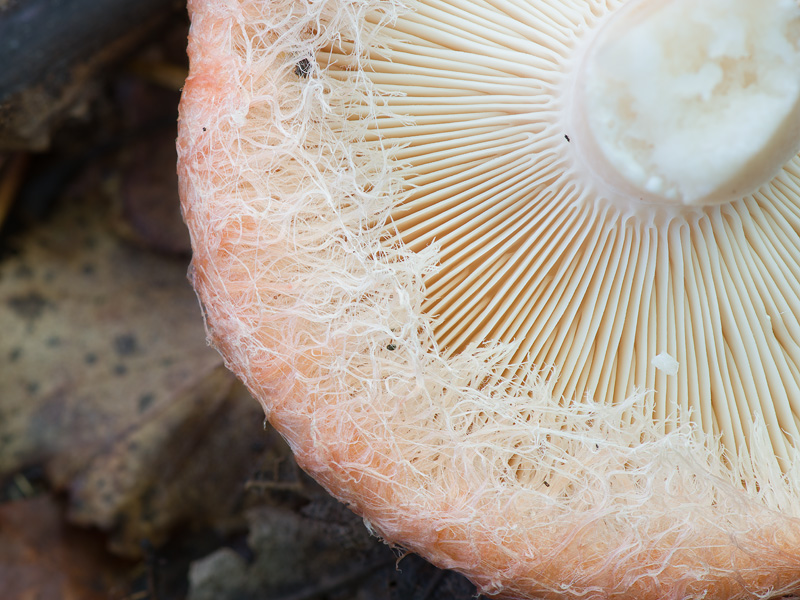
[{"x": 133, "y": 465}]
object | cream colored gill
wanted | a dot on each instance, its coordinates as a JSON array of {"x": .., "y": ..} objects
[{"x": 622, "y": 238}]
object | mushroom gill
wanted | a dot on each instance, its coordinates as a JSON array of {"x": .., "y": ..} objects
[{"x": 605, "y": 184}]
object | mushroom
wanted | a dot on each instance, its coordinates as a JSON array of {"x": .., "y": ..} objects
[{"x": 518, "y": 280}]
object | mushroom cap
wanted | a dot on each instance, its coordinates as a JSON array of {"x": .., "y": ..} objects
[{"x": 466, "y": 338}]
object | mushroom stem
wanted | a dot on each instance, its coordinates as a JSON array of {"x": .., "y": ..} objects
[{"x": 691, "y": 103}]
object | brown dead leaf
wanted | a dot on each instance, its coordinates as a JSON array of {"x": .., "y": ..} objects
[
  {"x": 43, "y": 559},
  {"x": 106, "y": 380},
  {"x": 187, "y": 464},
  {"x": 96, "y": 335},
  {"x": 148, "y": 188},
  {"x": 148, "y": 182}
]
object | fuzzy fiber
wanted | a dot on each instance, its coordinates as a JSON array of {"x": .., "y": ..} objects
[{"x": 288, "y": 197}]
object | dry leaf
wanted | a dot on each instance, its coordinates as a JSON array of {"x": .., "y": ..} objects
[
  {"x": 43, "y": 559},
  {"x": 186, "y": 464},
  {"x": 149, "y": 187},
  {"x": 96, "y": 335},
  {"x": 107, "y": 381}
]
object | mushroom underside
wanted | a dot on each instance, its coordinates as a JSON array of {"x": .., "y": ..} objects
[{"x": 458, "y": 328}]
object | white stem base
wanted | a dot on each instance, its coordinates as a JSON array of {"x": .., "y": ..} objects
[{"x": 693, "y": 102}]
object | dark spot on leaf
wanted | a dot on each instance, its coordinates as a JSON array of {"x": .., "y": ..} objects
[
  {"x": 303, "y": 68},
  {"x": 145, "y": 401},
  {"x": 125, "y": 344},
  {"x": 24, "y": 272},
  {"x": 28, "y": 306}
]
